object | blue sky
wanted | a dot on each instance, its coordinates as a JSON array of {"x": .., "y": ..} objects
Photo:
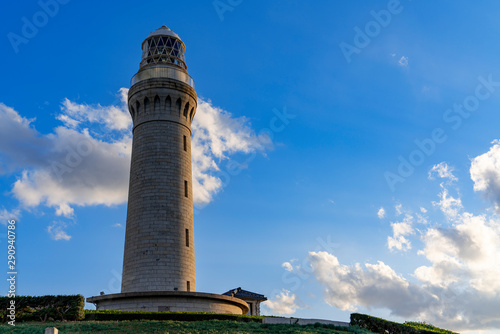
[{"x": 346, "y": 152}]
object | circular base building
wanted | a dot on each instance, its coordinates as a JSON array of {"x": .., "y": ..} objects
[{"x": 170, "y": 301}]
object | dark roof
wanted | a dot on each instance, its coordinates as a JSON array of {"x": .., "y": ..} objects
[{"x": 244, "y": 294}]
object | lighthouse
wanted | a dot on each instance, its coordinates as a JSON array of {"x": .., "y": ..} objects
[
  {"x": 159, "y": 257},
  {"x": 159, "y": 239}
]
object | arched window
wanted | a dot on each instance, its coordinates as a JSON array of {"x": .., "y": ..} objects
[
  {"x": 168, "y": 103},
  {"x": 146, "y": 105},
  {"x": 178, "y": 106},
  {"x": 186, "y": 110},
  {"x": 157, "y": 104}
]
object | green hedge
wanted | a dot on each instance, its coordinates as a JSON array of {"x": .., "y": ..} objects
[
  {"x": 426, "y": 327},
  {"x": 382, "y": 326},
  {"x": 108, "y": 315},
  {"x": 43, "y": 308}
]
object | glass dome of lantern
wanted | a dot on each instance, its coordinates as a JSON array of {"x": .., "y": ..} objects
[{"x": 163, "y": 47}]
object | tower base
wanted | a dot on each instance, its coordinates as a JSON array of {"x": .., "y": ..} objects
[{"x": 170, "y": 301}]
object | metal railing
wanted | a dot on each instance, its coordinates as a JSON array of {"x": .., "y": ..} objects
[{"x": 162, "y": 72}]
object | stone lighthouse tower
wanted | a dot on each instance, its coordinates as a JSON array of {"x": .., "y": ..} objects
[
  {"x": 159, "y": 243},
  {"x": 158, "y": 262}
]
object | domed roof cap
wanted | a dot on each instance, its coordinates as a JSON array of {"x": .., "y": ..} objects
[{"x": 163, "y": 31}]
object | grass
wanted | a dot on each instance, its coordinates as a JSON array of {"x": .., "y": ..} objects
[{"x": 177, "y": 327}]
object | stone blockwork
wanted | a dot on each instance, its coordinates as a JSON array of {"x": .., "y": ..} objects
[
  {"x": 159, "y": 241},
  {"x": 172, "y": 301}
]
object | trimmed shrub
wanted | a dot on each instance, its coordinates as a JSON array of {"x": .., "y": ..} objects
[
  {"x": 43, "y": 308},
  {"x": 382, "y": 326},
  {"x": 378, "y": 325},
  {"x": 427, "y": 328},
  {"x": 109, "y": 315}
]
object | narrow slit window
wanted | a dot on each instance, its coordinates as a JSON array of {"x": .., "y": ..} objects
[
  {"x": 185, "y": 143},
  {"x": 188, "y": 286},
  {"x": 186, "y": 188},
  {"x": 187, "y": 237}
]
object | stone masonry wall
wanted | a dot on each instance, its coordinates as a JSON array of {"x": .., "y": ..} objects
[{"x": 157, "y": 255}]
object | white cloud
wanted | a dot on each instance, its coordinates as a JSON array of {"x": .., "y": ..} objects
[
  {"x": 57, "y": 231},
  {"x": 65, "y": 210},
  {"x": 381, "y": 213},
  {"x": 399, "y": 209},
  {"x": 117, "y": 225},
  {"x": 443, "y": 171},
  {"x": 400, "y": 230},
  {"x": 467, "y": 253},
  {"x": 20, "y": 144},
  {"x": 375, "y": 285},
  {"x": 421, "y": 219},
  {"x": 485, "y": 172},
  {"x": 448, "y": 204},
  {"x": 284, "y": 303},
  {"x": 97, "y": 176},
  {"x": 65, "y": 168},
  {"x": 5, "y": 215},
  {"x": 403, "y": 61},
  {"x": 288, "y": 266},
  {"x": 113, "y": 117}
]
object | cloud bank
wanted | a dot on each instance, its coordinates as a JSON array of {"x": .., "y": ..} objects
[
  {"x": 458, "y": 288},
  {"x": 86, "y": 160}
]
